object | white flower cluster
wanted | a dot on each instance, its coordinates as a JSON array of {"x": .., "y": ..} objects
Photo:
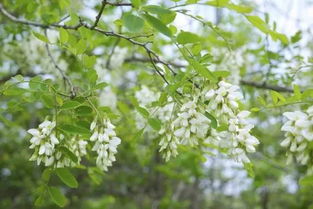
[
  {"x": 77, "y": 147},
  {"x": 145, "y": 98},
  {"x": 106, "y": 142},
  {"x": 232, "y": 61},
  {"x": 224, "y": 102},
  {"x": 45, "y": 144},
  {"x": 187, "y": 129},
  {"x": 299, "y": 133},
  {"x": 242, "y": 140},
  {"x": 32, "y": 53},
  {"x": 190, "y": 125},
  {"x": 168, "y": 146}
]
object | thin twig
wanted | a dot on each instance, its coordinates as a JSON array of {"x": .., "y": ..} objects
[
  {"x": 104, "y": 2},
  {"x": 64, "y": 76},
  {"x": 242, "y": 82},
  {"x": 112, "y": 53}
]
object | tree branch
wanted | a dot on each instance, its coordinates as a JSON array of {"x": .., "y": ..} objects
[
  {"x": 64, "y": 76},
  {"x": 119, "y": 4},
  {"x": 242, "y": 82},
  {"x": 104, "y": 2},
  {"x": 266, "y": 86}
]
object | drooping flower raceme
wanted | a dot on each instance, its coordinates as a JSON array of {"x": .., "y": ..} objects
[
  {"x": 299, "y": 133},
  {"x": 168, "y": 146},
  {"x": 242, "y": 140},
  {"x": 145, "y": 98},
  {"x": 190, "y": 125},
  {"x": 48, "y": 146},
  {"x": 224, "y": 103},
  {"x": 188, "y": 128},
  {"x": 43, "y": 142},
  {"x": 77, "y": 147},
  {"x": 168, "y": 143},
  {"x": 106, "y": 142}
]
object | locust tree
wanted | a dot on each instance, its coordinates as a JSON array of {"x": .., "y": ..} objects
[{"x": 94, "y": 87}]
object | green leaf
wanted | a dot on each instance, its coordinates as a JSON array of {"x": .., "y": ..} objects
[
  {"x": 277, "y": 97},
  {"x": 155, "y": 123},
  {"x": 167, "y": 19},
  {"x": 74, "y": 129},
  {"x": 307, "y": 94},
  {"x": 40, "y": 201},
  {"x": 92, "y": 77},
  {"x": 165, "y": 15},
  {"x": 221, "y": 73},
  {"x": 258, "y": 23},
  {"x": 63, "y": 35},
  {"x": 297, "y": 37},
  {"x": 96, "y": 175},
  {"x": 41, "y": 37},
  {"x": 239, "y": 8},
  {"x": 101, "y": 85},
  {"x": 155, "y": 9},
  {"x": 279, "y": 36},
  {"x": 218, "y": 3},
  {"x": 143, "y": 111},
  {"x": 136, "y": 3},
  {"x": 57, "y": 196},
  {"x": 255, "y": 109},
  {"x": 34, "y": 83},
  {"x": 89, "y": 61},
  {"x": 133, "y": 23},
  {"x": 212, "y": 119},
  {"x": 19, "y": 78},
  {"x": 70, "y": 105},
  {"x": 297, "y": 91},
  {"x": 45, "y": 176},
  {"x": 123, "y": 107},
  {"x": 187, "y": 37},
  {"x": 14, "y": 91},
  {"x": 68, "y": 153},
  {"x": 306, "y": 181},
  {"x": 81, "y": 46},
  {"x": 158, "y": 25},
  {"x": 67, "y": 177},
  {"x": 249, "y": 169},
  {"x": 83, "y": 110},
  {"x": 203, "y": 71},
  {"x": 48, "y": 100}
]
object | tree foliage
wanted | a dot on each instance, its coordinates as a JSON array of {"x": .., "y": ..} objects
[{"x": 128, "y": 108}]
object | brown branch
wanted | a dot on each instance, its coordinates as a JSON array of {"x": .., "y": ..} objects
[
  {"x": 104, "y": 2},
  {"x": 64, "y": 76},
  {"x": 119, "y": 4},
  {"x": 265, "y": 86},
  {"x": 111, "y": 54},
  {"x": 242, "y": 82}
]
